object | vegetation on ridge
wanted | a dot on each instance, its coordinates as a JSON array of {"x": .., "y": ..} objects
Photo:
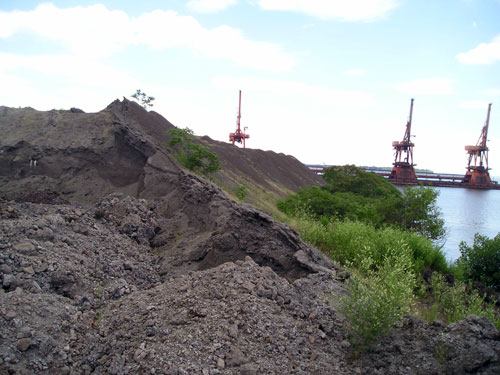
[
  {"x": 192, "y": 155},
  {"x": 144, "y": 100}
]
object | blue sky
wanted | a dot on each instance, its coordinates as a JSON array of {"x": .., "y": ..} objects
[{"x": 326, "y": 81}]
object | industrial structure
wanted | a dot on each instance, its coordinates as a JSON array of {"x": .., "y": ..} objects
[
  {"x": 477, "y": 167},
  {"x": 239, "y": 136},
  {"x": 403, "y": 173},
  {"x": 403, "y": 170}
]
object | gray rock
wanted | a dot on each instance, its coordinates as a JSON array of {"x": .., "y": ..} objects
[
  {"x": 221, "y": 363},
  {"x": 23, "y": 344},
  {"x": 248, "y": 369},
  {"x": 8, "y": 280},
  {"x": 5, "y": 269},
  {"x": 25, "y": 247},
  {"x": 235, "y": 358}
]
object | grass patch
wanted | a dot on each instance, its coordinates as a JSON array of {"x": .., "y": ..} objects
[
  {"x": 453, "y": 302},
  {"x": 350, "y": 242}
]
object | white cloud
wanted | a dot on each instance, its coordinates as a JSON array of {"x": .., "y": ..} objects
[
  {"x": 209, "y": 6},
  {"x": 351, "y": 11},
  {"x": 309, "y": 93},
  {"x": 427, "y": 86},
  {"x": 72, "y": 69},
  {"x": 90, "y": 31},
  {"x": 484, "y": 53},
  {"x": 95, "y": 32},
  {"x": 354, "y": 72},
  {"x": 90, "y": 79}
]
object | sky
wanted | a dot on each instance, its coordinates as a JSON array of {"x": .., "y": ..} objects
[{"x": 327, "y": 81}]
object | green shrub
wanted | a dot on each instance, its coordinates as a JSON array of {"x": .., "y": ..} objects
[
  {"x": 192, "y": 155},
  {"x": 349, "y": 178},
  {"x": 377, "y": 299},
  {"x": 318, "y": 202},
  {"x": 349, "y": 242},
  {"x": 240, "y": 192},
  {"x": 144, "y": 100},
  {"x": 417, "y": 211},
  {"x": 457, "y": 301},
  {"x": 481, "y": 262},
  {"x": 357, "y": 195}
]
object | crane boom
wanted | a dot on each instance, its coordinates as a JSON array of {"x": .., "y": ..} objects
[
  {"x": 484, "y": 133},
  {"x": 239, "y": 136}
]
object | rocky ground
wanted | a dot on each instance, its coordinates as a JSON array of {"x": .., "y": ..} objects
[
  {"x": 114, "y": 260},
  {"x": 84, "y": 292}
]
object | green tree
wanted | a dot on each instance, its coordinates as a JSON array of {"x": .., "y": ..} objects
[
  {"x": 419, "y": 213},
  {"x": 481, "y": 262},
  {"x": 143, "y": 99},
  {"x": 349, "y": 178},
  {"x": 355, "y": 194},
  {"x": 192, "y": 155}
]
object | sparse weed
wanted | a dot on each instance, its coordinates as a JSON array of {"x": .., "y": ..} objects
[
  {"x": 98, "y": 292},
  {"x": 98, "y": 318},
  {"x": 240, "y": 192},
  {"x": 457, "y": 301},
  {"x": 378, "y": 297},
  {"x": 441, "y": 354}
]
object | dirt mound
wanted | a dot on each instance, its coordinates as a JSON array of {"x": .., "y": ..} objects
[
  {"x": 267, "y": 170},
  {"x": 86, "y": 156},
  {"x": 80, "y": 294},
  {"x": 115, "y": 260}
]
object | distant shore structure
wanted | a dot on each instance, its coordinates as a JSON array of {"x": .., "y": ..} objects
[
  {"x": 424, "y": 177},
  {"x": 403, "y": 170},
  {"x": 477, "y": 167}
]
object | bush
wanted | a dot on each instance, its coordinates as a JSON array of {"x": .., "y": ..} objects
[
  {"x": 349, "y": 178},
  {"x": 355, "y": 194},
  {"x": 457, "y": 301},
  {"x": 319, "y": 203},
  {"x": 240, "y": 192},
  {"x": 192, "y": 155},
  {"x": 481, "y": 262},
  {"x": 418, "y": 212},
  {"x": 349, "y": 242},
  {"x": 377, "y": 299},
  {"x": 144, "y": 100}
]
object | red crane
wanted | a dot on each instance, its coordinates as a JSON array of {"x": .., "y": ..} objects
[
  {"x": 477, "y": 166},
  {"x": 239, "y": 136},
  {"x": 403, "y": 161}
]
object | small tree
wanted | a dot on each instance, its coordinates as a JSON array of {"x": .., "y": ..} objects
[
  {"x": 352, "y": 179},
  {"x": 419, "y": 212},
  {"x": 481, "y": 262},
  {"x": 192, "y": 155},
  {"x": 143, "y": 99}
]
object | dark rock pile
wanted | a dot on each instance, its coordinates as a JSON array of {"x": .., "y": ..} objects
[
  {"x": 114, "y": 260},
  {"x": 82, "y": 291}
]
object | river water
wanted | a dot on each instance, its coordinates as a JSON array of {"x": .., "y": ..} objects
[{"x": 466, "y": 212}]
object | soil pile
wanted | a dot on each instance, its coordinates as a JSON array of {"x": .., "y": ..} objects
[
  {"x": 166, "y": 275},
  {"x": 86, "y": 156}
]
